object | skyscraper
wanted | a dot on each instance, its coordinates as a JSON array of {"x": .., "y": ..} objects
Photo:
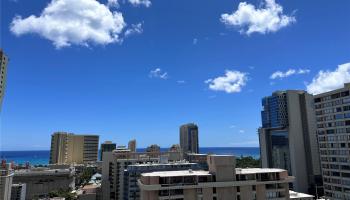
[
  {"x": 189, "y": 138},
  {"x": 333, "y": 129},
  {"x": 67, "y": 148},
  {"x": 132, "y": 145},
  {"x": 288, "y": 137},
  {"x": 107, "y": 146},
  {"x": 3, "y": 70}
]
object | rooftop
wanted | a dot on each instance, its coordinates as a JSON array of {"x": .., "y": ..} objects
[
  {"x": 297, "y": 195},
  {"x": 178, "y": 173},
  {"x": 257, "y": 170}
]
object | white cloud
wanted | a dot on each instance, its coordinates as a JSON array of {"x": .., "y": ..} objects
[
  {"x": 113, "y": 3},
  {"x": 135, "y": 29},
  {"x": 181, "y": 82},
  {"x": 78, "y": 22},
  {"x": 158, "y": 73},
  {"x": 146, "y": 3},
  {"x": 241, "y": 131},
  {"x": 233, "y": 126},
  {"x": 290, "y": 72},
  {"x": 195, "y": 41},
  {"x": 326, "y": 81},
  {"x": 231, "y": 82},
  {"x": 267, "y": 18}
]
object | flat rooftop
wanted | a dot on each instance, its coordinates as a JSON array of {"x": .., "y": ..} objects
[
  {"x": 178, "y": 173},
  {"x": 297, "y": 195},
  {"x": 257, "y": 170},
  {"x": 28, "y": 172}
]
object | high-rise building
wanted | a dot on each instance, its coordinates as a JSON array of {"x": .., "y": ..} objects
[
  {"x": 333, "y": 129},
  {"x": 3, "y": 70},
  {"x": 132, "y": 145},
  {"x": 115, "y": 180},
  {"x": 288, "y": 138},
  {"x": 107, "y": 146},
  {"x": 189, "y": 138},
  {"x": 221, "y": 181},
  {"x": 67, "y": 148},
  {"x": 6, "y": 177}
]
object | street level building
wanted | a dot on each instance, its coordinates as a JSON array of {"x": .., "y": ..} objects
[
  {"x": 221, "y": 181},
  {"x": 288, "y": 138},
  {"x": 68, "y": 148},
  {"x": 333, "y": 129}
]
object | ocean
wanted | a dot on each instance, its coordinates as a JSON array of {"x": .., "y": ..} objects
[{"x": 42, "y": 157}]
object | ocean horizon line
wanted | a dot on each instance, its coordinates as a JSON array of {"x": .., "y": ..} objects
[{"x": 136, "y": 148}]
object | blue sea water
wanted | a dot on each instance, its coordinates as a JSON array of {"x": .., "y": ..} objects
[{"x": 42, "y": 157}]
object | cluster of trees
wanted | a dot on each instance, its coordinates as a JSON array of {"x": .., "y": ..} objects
[
  {"x": 247, "y": 162},
  {"x": 67, "y": 194}
]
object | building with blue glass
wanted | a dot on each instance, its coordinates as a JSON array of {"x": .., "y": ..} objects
[{"x": 288, "y": 137}]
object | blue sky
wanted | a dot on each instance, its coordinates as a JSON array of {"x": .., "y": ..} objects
[{"x": 162, "y": 64}]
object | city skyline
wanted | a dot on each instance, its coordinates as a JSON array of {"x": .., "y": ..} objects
[{"x": 164, "y": 67}]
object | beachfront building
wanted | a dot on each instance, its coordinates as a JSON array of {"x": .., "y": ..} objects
[
  {"x": 68, "y": 148},
  {"x": 288, "y": 138},
  {"x": 132, "y": 145},
  {"x": 221, "y": 181},
  {"x": 333, "y": 128}
]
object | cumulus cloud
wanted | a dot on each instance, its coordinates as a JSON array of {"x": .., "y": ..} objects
[
  {"x": 231, "y": 82},
  {"x": 113, "y": 3},
  {"x": 135, "y": 29},
  {"x": 158, "y": 73},
  {"x": 146, "y": 3},
  {"x": 290, "y": 72},
  {"x": 195, "y": 41},
  {"x": 78, "y": 22},
  {"x": 326, "y": 81},
  {"x": 249, "y": 19}
]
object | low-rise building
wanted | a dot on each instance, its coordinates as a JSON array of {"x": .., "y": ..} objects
[
  {"x": 40, "y": 181},
  {"x": 221, "y": 181}
]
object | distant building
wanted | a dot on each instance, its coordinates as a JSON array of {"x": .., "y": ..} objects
[
  {"x": 3, "y": 72},
  {"x": 40, "y": 181},
  {"x": 222, "y": 181},
  {"x": 107, "y": 146},
  {"x": 189, "y": 138},
  {"x": 6, "y": 177},
  {"x": 288, "y": 138},
  {"x": 132, "y": 145},
  {"x": 67, "y": 148},
  {"x": 18, "y": 191},
  {"x": 153, "y": 150},
  {"x": 333, "y": 129}
]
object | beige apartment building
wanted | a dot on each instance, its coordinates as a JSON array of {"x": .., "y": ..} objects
[
  {"x": 222, "y": 182},
  {"x": 68, "y": 148},
  {"x": 3, "y": 70},
  {"x": 333, "y": 129}
]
